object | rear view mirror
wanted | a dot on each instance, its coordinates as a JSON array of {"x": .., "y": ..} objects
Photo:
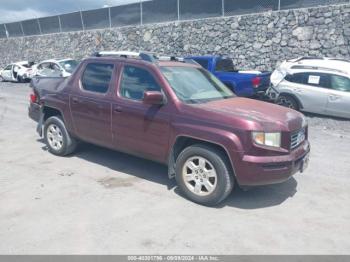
[{"x": 153, "y": 98}]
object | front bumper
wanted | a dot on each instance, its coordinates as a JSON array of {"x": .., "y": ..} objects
[{"x": 261, "y": 170}]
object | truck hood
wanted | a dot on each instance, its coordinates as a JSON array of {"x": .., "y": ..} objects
[{"x": 260, "y": 115}]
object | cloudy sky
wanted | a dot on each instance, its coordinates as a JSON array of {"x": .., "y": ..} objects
[{"x": 17, "y": 10}]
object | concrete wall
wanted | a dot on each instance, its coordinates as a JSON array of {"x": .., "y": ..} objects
[{"x": 255, "y": 41}]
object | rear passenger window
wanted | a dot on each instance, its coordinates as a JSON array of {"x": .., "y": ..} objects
[
  {"x": 136, "y": 81},
  {"x": 96, "y": 77},
  {"x": 318, "y": 79},
  {"x": 312, "y": 79},
  {"x": 299, "y": 78},
  {"x": 225, "y": 65}
]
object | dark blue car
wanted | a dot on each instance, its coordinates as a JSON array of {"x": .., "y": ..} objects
[{"x": 242, "y": 83}]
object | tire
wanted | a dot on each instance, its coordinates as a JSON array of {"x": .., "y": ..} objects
[
  {"x": 20, "y": 79},
  {"x": 57, "y": 138},
  {"x": 288, "y": 101},
  {"x": 214, "y": 162}
]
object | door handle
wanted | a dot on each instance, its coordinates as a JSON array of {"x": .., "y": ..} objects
[
  {"x": 333, "y": 97},
  {"x": 118, "y": 109}
]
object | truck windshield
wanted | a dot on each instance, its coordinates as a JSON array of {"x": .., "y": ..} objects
[{"x": 195, "y": 85}]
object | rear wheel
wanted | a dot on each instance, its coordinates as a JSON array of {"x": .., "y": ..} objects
[
  {"x": 288, "y": 101},
  {"x": 203, "y": 175},
  {"x": 57, "y": 137}
]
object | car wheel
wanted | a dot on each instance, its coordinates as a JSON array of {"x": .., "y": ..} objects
[
  {"x": 20, "y": 79},
  {"x": 287, "y": 101},
  {"x": 57, "y": 137},
  {"x": 1, "y": 79},
  {"x": 203, "y": 175}
]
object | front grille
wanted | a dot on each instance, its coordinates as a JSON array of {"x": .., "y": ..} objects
[{"x": 297, "y": 138}]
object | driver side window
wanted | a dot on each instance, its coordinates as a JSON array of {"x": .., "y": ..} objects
[{"x": 135, "y": 81}]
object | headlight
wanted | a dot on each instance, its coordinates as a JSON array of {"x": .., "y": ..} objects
[
  {"x": 304, "y": 121},
  {"x": 267, "y": 139}
]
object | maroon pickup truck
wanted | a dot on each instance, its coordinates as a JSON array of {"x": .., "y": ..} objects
[{"x": 175, "y": 113}]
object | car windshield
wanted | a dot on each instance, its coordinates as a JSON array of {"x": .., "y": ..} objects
[
  {"x": 69, "y": 65},
  {"x": 195, "y": 85}
]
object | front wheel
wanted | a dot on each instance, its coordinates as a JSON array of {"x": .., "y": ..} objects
[
  {"x": 57, "y": 137},
  {"x": 203, "y": 175}
]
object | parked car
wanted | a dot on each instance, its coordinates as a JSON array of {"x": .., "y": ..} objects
[
  {"x": 56, "y": 67},
  {"x": 17, "y": 72},
  {"x": 174, "y": 113},
  {"x": 316, "y": 85},
  {"x": 243, "y": 83}
]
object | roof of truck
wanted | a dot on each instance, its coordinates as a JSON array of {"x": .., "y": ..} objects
[{"x": 160, "y": 63}]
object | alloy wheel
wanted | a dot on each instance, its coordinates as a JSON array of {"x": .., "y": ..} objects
[
  {"x": 54, "y": 137},
  {"x": 199, "y": 175}
]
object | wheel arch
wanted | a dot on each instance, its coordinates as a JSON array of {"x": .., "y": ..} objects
[
  {"x": 51, "y": 111},
  {"x": 184, "y": 141},
  {"x": 294, "y": 97}
]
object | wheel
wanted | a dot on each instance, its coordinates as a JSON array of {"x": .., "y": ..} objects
[
  {"x": 57, "y": 137},
  {"x": 287, "y": 101},
  {"x": 20, "y": 79},
  {"x": 203, "y": 175},
  {"x": 1, "y": 79}
]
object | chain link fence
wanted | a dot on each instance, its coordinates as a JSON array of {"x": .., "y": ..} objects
[{"x": 152, "y": 11}]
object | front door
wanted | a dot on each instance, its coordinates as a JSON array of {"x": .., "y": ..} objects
[
  {"x": 7, "y": 73},
  {"x": 90, "y": 103},
  {"x": 139, "y": 128}
]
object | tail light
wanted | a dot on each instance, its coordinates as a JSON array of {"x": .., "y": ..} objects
[
  {"x": 33, "y": 98},
  {"x": 256, "y": 82}
]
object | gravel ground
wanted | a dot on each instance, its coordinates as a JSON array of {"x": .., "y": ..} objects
[{"x": 103, "y": 202}]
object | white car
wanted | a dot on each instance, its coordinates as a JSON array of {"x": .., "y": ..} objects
[
  {"x": 56, "y": 67},
  {"x": 17, "y": 72},
  {"x": 315, "y": 85}
]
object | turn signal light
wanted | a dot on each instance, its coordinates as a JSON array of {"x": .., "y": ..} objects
[{"x": 33, "y": 98}]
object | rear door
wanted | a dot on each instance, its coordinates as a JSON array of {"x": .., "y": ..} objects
[
  {"x": 90, "y": 103},
  {"x": 339, "y": 96},
  {"x": 310, "y": 88},
  {"x": 139, "y": 128}
]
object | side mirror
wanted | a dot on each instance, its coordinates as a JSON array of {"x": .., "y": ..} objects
[{"x": 153, "y": 98}]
